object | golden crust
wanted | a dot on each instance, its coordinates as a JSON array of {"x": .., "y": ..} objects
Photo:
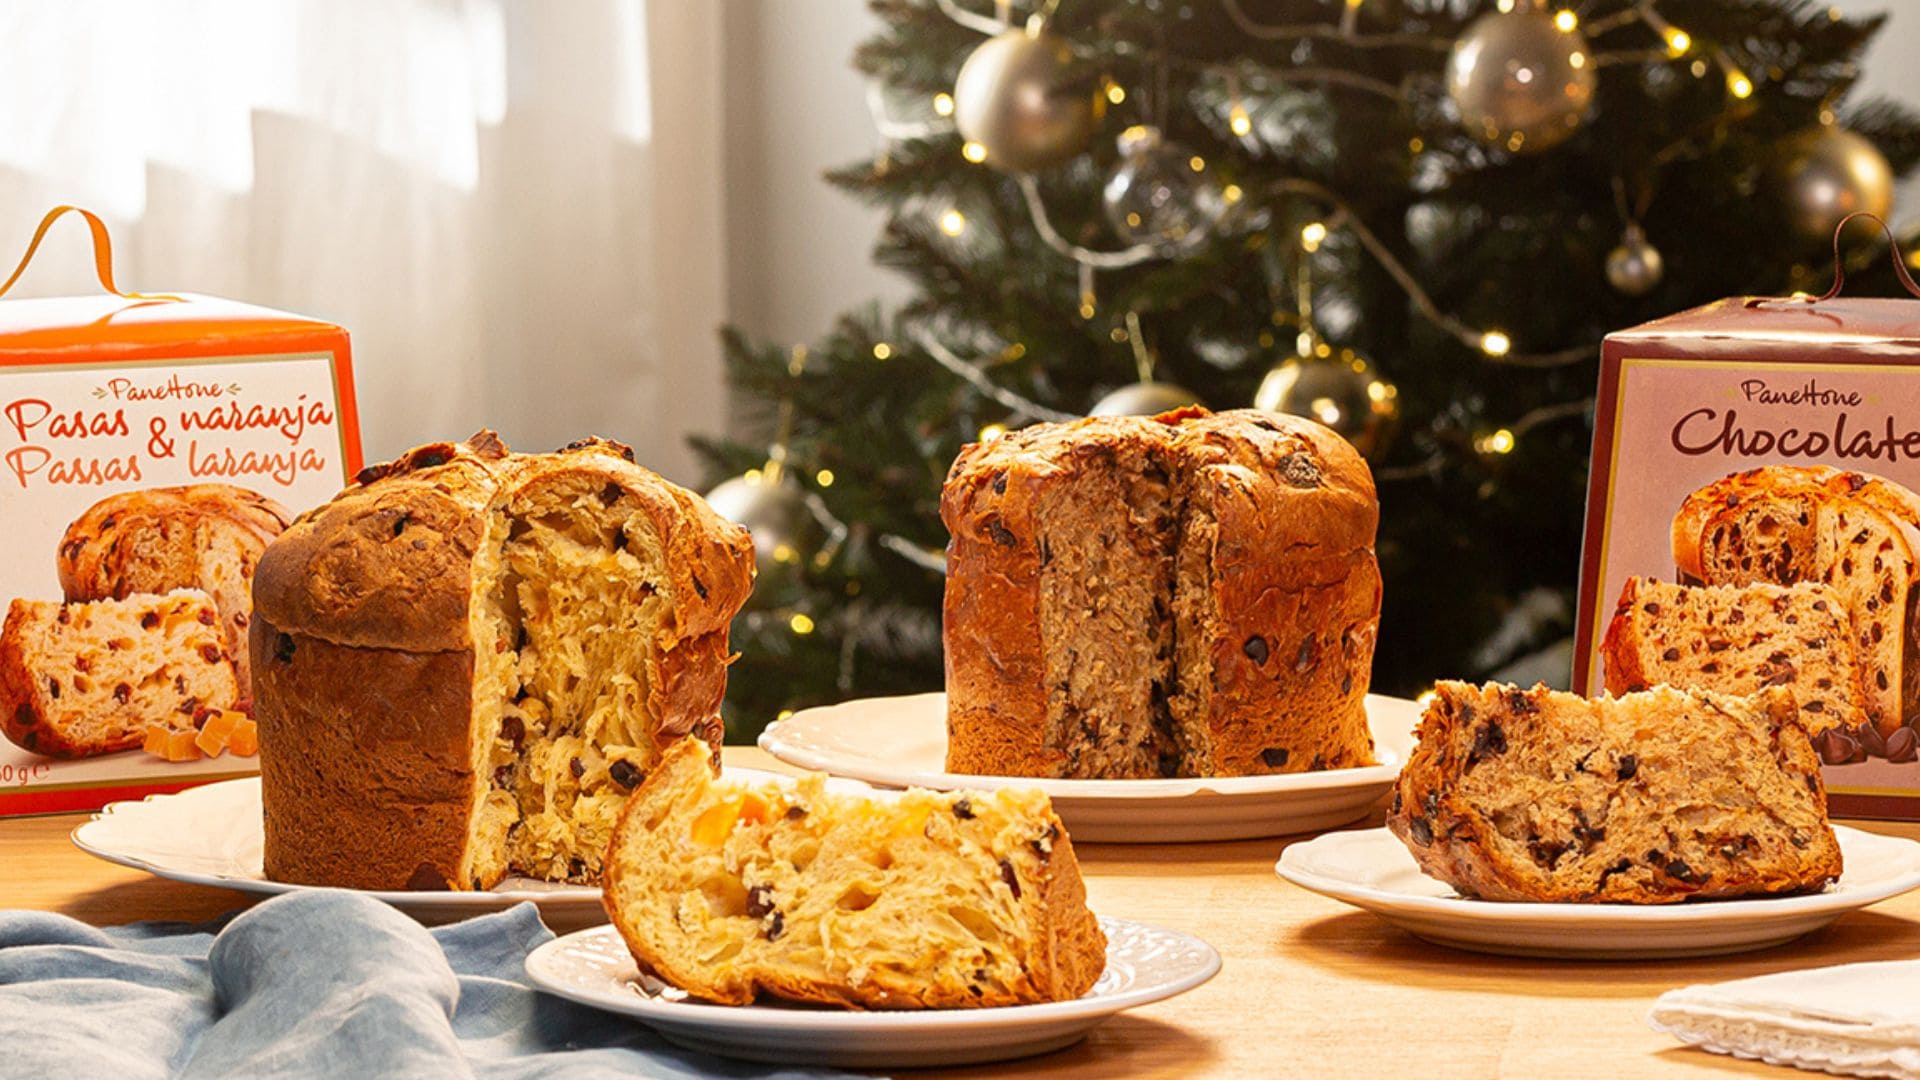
[{"x": 94, "y": 564}]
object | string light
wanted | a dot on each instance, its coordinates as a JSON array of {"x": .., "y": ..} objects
[
  {"x": 1495, "y": 343},
  {"x": 1231, "y": 194},
  {"x": 783, "y": 714},
  {"x": 1197, "y": 163},
  {"x": 943, "y": 104},
  {"x": 992, "y": 432},
  {"x": 1678, "y": 41},
  {"x": 1739, "y": 85},
  {"x": 751, "y": 476},
  {"x": 953, "y": 223},
  {"x": 973, "y": 151},
  {"x": 882, "y": 350},
  {"x": 1116, "y": 93},
  {"x": 784, "y": 553},
  {"x": 801, "y": 623},
  {"x": 824, "y": 478},
  {"x": 1566, "y": 21},
  {"x": 1500, "y": 442},
  {"x": 1312, "y": 234},
  {"x": 1239, "y": 122}
]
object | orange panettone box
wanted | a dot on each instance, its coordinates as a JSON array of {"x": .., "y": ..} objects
[{"x": 147, "y": 443}]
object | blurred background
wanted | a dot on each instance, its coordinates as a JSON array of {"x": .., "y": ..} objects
[{"x": 538, "y": 218}]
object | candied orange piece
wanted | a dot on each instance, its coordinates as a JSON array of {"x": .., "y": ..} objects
[
  {"x": 156, "y": 743},
  {"x": 245, "y": 740},
  {"x": 180, "y": 745},
  {"x": 212, "y": 739}
]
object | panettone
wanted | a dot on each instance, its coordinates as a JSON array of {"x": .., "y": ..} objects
[
  {"x": 154, "y": 540},
  {"x": 1852, "y": 532},
  {"x": 729, "y": 889},
  {"x": 469, "y": 658},
  {"x": 1650, "y": 798},
  {"x": 1192, "y": 594}
]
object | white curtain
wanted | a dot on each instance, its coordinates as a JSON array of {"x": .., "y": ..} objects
[{"x": 513, "y": 207}]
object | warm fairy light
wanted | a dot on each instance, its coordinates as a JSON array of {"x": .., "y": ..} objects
[
  {"x": 1699, "y": 69},
  {"x": 1324, "y": 410},
  {"x": 1312, "y": 234},
  {"x": 882, "y": 350},
  {"x": 784, "y": 553},
  {"x": 1197, "y": 163},
  {"x": 824, "y": 478},
  {"x": 1500, "y": 442},
  {"x": 1565, "y": 21},
  {"x": 801, "y": 623},
  {"x": 973, "y": 151},
  {"x": 1086, "y": 305},
  {"x": 1416, "y": 144},
  {"x": 1016, "y": 350},
  {"x": 1231, "y": 193},
  {"x": 1827, "y": 118},
  {"x": 1678, "y": 41},
  {"x": 1239, "y": 121},
  {"x": 1302, "y": 342},
  {"x": 943, "y": 104},
  {"x": 953, "y": 223},
  {"x": 1322, "y": 350},
  {"x": 751, "y": 476},
  {"x": 821, "y": 559},
  {"x": 1377, "y": 391},
  {"x": 1426, "y": 699},
  {"x": 992, "y": 432},
  {"x": 1739, "y": 85},
  {"x": 1495, "y": 343},
  {"x": 1505, "y": 6},
  {"x": 783, "y": 714},
  {"x": 1116, "y": 93},
  {"x": 1576, "y": 59}
]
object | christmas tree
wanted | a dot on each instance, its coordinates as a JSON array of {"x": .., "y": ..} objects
[{"x": 1412, "y": 220}]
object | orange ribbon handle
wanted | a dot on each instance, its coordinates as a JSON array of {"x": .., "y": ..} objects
[{"x": 102, "y": 253}]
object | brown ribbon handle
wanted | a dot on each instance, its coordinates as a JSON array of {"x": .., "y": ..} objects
[
  {"x": 102, "y": 253},
  {"x": 1840, "y": 267}
]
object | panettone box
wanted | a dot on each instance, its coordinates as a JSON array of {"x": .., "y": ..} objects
[
  {"x": 103, "y": 397},
  {"x": 1811, "y": 408}
]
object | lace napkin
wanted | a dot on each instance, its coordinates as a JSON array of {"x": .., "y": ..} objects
[{"x": 1854, "y": 1019}]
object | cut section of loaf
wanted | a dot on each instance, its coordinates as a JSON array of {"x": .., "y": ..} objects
[
  {"x": 1738, "y": 639},
  {"x": 84, "y": 679},
  {"x": 470, "y": 658},
  {"x": 1856, "y": 533},
  {"x": 1651, "y": 798},
  {"x": 731, "y": 889},
  {"x": 154, "y": 540},
  {"x": 1192, "y": 594}
]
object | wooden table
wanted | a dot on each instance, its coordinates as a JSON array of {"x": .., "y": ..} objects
[{"x": 1309, "y": 987}]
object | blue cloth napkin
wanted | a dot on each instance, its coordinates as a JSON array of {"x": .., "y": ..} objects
[{"x": 318, "y": 983}]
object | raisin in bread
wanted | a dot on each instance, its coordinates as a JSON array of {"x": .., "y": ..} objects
[
  {"x": 919, "y": 899},
  {"x": 203, "y": 536},
  {"x": 83, "y": 679},
  {"x": 1651, "y": 798},
  {"x": 1855, "y": 533},
  {"x": 1192, "y": 594},
  {"x": 469, "y": 658},
  {"x": 1738, "y": 639}
]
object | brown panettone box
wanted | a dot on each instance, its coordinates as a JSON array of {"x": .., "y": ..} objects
[
  {"x": 1756, "y": 440},
  {"x": 148, "y": 444}
]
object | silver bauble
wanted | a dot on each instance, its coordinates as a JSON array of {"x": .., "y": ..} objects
[
  {"x": 785, "y": 532},
  {"x": 1824, "y": 173},
  {"x": 1144, "y": 399},
  {"x": 1520, "y": 81},
  {"x": 1340, "y": 390},
  {"x": 1021, "y": 96},
  {"x": 1635, "y": 267},
  {"x": 1155, "y": 195}
]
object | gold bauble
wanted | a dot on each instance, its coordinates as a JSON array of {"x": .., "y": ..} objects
[
  {"x": 1824, "y": 173},
  {"x": 1025, "y": 101},
  {"x": 1339, "y": 390},
  {"x": 1144, "y": 399},
  {"x": 1520, "y": 81},
  {"x": 1635, "y": 267}
]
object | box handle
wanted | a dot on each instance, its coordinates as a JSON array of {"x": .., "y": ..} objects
[
  {"x": 102, "y": 253},
  {"x": 1839, "y": 268}
]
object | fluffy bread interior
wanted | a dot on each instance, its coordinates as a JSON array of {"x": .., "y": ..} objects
[
  {"x": 728, "y": 889},
  {"x": 570, "y": 599}
]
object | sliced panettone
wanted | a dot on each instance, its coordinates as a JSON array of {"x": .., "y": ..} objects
[
  {"x": 731, "y": 889},
  {"x": 1651, "y": 798},
  {"x": 1738, "y": 639},
  {"x": 1856, "y": 533},
  {"x": 469, "y": 658},
  {"x": 84, "y": 679}
]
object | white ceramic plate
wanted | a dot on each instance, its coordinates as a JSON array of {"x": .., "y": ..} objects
[
  {"x": 211, "y": 835},
  {"x": 1144, "y": 964},
  {"x": 902, "y": 742},
  {"x": 1372, "y": 869}
]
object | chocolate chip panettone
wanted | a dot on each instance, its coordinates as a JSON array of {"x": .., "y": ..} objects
[
  {"x": 468, "y": 659},
  {"x": 883, "y": 901},
  {"x": 1651, "y": 798},
  {"x": 1852, "y": 532},
  {"x": 154, "y": 540},
  {"x": 1192, "y": 594}
]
